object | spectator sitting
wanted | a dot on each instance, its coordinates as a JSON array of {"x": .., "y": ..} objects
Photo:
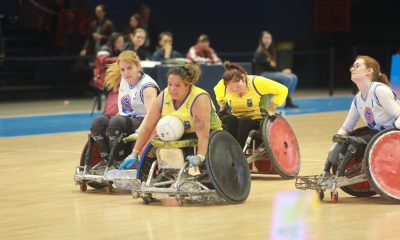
[
  {"x": 165, "y": 51},
  {"x": 266, "y": 65},
  {"x": 136, "y": 43},
  {"x": 202, "y": 52},
  {"x": 98, "y": 32}
]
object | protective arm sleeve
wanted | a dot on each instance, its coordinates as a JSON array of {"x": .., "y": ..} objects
[
  {"x": 351, "y": 119},
  {"x": 388, "y": 101},
  {"x": 267, "y": 86}
]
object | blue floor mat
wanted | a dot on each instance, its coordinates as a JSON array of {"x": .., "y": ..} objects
[
  {"x": 317, "y": 105},
  {"x": 20, "y": 126},
  {"x": 57, "y": 123}
]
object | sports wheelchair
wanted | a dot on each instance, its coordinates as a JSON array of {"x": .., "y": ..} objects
[
  {"x": 163, "y": 172},
  {"x": 365, "y": 170},
  {"x": 273, "y": 149},
  {"x": 92, "y": 170}
]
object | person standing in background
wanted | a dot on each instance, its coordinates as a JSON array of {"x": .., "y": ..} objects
[
  {"x": 98, "y": 33},
  {"x": 266, "y": 65}
]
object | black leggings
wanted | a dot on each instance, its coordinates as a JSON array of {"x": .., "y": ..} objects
[
  {"x": 340, "y": 149},
  {"x": 105, "y": 130},
  {"x": 239, "y": 128},
  {"x": 126, "y": 124}
]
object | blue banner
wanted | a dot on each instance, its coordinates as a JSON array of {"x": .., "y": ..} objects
[{"x": 395, "y": 73}]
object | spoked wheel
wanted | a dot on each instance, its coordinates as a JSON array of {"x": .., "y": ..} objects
[
  {"x": 148, "y": 157},
  {"x": 146, "y": 160}
]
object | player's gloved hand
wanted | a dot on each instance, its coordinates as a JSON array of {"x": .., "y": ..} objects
[
  {"x": 222, "y": 112},
  {"x": 130, "y": 160},
  {"x": 340, "y": 132},
  {"x": 397, "y": 123},
  {"x": 272, "y": 116},
  {"x": 195, "y": 160},
  {"x": 271, "y": 111}
]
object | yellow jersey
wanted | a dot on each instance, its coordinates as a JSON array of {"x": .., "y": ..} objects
[
  {"x": 184, "y": 111},
  {"x": 259, "y": 92}
]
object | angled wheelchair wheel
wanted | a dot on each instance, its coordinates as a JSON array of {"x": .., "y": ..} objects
[
  {"x": 148, "y": 156},
  {"x": 227, "y": 167},
  {"x": 95, "y": 158},
  {"x": 353, "y": 168},
  {"x": 281, "y": 146},
  {"x": 382, "y": 161}
]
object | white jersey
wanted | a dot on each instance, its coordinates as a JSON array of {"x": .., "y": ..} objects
[
  {"x": 130, "y": 96},
  {"x": 379, "y": 108}
]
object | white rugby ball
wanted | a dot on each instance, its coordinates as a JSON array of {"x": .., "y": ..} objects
[{"x": 170, "y": 128}]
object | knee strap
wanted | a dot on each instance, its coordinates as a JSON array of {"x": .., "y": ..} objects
[
  {"x": 97, "y": 135},
  {"x": 115, "y": 136},
  {"x": 101, "y": 142},
  {"x": 115, "y": 133}
]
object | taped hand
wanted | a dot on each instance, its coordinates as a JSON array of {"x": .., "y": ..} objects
[
  {"x": 195, "y": 160},
  {"x": 130, "y": 160}
]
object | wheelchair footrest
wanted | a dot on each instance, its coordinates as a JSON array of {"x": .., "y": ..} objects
[
  {"x": 173, "y": 191},
  {"x": 129, "y": 184},
  {"x": 262, "y": 155},
  {"x": 308, "y": 182},
  {"x": 81, "y": 176},
  {"x": 187, "y": 188}
]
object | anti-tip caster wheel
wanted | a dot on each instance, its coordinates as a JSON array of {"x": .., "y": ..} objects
[
  {"x": 179, "y": 201},
  {"x": 82, "y": 187},
  {"x": 109, "y": 189},
  {"x": 146, "y": 199},
  {"x": 334, "y": 197},
  {"x": 321, "y": 195},
  {"x": 135, "y": 195}
]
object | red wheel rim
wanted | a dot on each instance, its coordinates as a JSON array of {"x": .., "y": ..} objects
[
  {"x": 384, "y": 163},
  {"x": 264, "y": 167},
  {"x": 357, "y": 186},
  {"x": 284, "y": 146}
]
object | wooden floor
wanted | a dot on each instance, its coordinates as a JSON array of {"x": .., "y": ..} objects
[{"x": 39, "y": 199}]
